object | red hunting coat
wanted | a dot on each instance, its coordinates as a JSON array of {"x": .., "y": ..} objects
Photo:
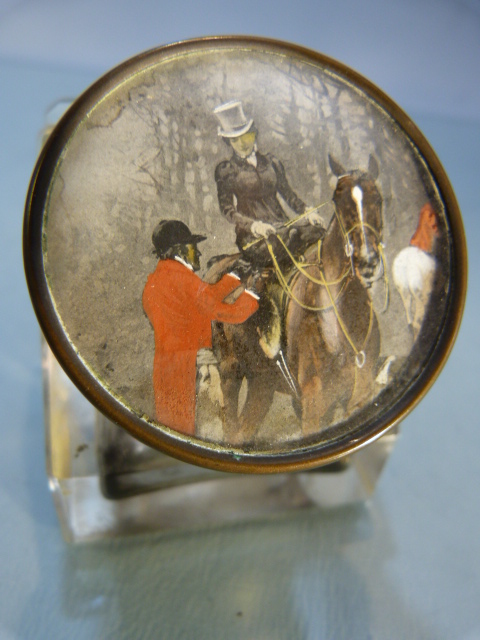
[{"x": 181, "y": 308}]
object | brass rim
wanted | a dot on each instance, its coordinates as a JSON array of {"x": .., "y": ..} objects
[{"x": 190, "y": 449}]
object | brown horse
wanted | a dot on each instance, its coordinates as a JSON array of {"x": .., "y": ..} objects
[{"x": 331, "y": 339}]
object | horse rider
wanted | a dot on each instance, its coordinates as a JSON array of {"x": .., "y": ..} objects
[
  {"x": 181, "y": 308},
  {"x": 248, "y": 186}
]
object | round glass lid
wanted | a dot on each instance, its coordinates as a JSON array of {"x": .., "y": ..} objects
[{"x": 245, "y": 254}]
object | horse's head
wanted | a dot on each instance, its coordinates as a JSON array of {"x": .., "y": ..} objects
[{"x": 358, "y": 207}]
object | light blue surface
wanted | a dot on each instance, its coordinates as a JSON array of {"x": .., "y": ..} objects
[{"x": 407, "y": 565}]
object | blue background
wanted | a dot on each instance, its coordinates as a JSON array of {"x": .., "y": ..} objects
[{"x": 405, "y": 565}]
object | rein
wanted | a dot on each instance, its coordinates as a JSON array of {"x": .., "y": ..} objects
[
  {"x": 302, "y": 268},
  {"x": 349, "y": 251},
  {"x": 289, "y": 223},
  {"x": 359, "y": 353},
  {"x": 288, "y": 289}
]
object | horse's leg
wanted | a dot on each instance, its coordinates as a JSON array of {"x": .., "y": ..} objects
[
  {"x": 417, "y": 316},
  {"x": 421, "y": 301},
  {"x": 323, "y": 372},
  {"x": 314, "y": 405},
  {"x": 259, "y": 399},
  {"x": 306, "y": 357},
  {"x": 364, "y": 385},
  {"x": 407, "y": 300},
  {"x": 231, "y": 381}
]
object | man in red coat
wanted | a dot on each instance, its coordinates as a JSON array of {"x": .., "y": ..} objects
[{"x": 181, "y": 308}]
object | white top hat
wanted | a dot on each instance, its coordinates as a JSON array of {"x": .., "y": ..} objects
[{"x": 233, "y": 122}]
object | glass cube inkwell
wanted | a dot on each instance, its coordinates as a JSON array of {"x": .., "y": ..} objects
[{"x": 248, "y": 266}]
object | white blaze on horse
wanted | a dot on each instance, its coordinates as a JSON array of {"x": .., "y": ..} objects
[{"x": 415, "y": 266}]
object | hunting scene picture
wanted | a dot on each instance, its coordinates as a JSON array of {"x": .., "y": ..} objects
[{"x": 246, "y": 249}]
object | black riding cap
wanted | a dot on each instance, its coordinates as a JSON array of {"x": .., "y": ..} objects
[{"x": 169, "y": 233}]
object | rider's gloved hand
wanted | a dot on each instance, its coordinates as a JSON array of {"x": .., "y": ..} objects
[
  {"x": 315, "y": 218},
  {"x": 262, "y": 229}
]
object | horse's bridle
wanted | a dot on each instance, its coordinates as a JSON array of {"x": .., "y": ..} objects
[
  {"x": 302, "y": 268},
  {"x": 349, "y": 252}
]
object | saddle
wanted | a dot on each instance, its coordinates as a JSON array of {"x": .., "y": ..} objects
[
  {"x": 292, "y": 240},
  {"x": 270, "y": 316},
  {"x": 255, "y": 268}
]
